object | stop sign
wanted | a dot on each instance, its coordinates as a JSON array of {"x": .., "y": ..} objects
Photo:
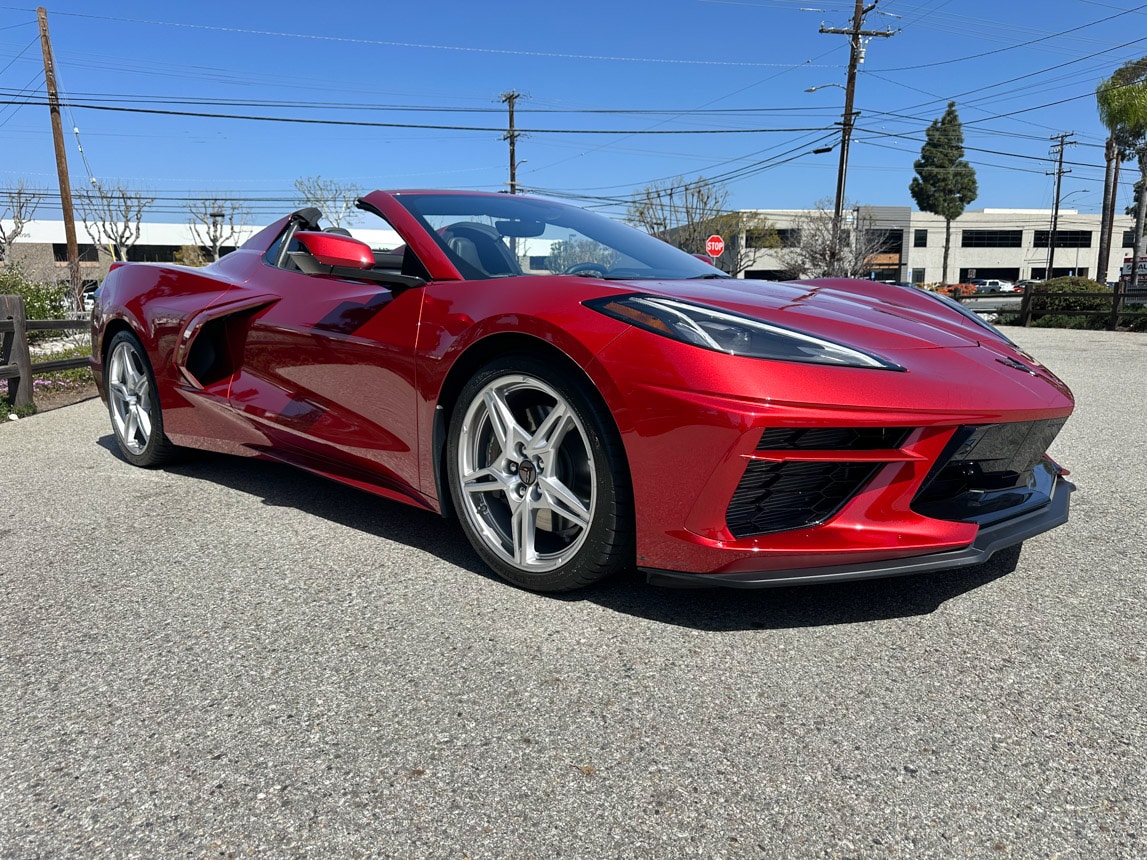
[{"x": 715, "y": 246}]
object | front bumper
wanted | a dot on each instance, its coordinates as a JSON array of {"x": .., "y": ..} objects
[{"x": 989, "y": 540}]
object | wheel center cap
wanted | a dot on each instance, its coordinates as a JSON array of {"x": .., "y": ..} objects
[{"x": 527, "y": 473}]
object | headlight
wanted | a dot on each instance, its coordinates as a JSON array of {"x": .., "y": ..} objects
[{"x": 723, "y": 331}]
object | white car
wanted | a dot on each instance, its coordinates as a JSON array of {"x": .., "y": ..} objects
[{"x": 993, "y": 286}]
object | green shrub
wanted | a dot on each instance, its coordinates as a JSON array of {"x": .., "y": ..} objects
[
  {"x": 42, "y": 301},
  {"x": 1087, "y": 295}
]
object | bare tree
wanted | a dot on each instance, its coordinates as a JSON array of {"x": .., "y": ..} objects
[
  {"x": 679, "y": 211},
  {"x": 815, "y": 253},
  {"x": 335, "y": 199},
  {"x": 112, "y": 217},
  {"x": 21, "y": 205},
  {"x": 743, "y": 232},
  {"x": 576, "y": 252},
  {"x": 686, "y": 213},
  {"x": 215, "y": 223}
]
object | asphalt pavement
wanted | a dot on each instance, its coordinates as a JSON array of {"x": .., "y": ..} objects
[{"x": 228, "y": 658}]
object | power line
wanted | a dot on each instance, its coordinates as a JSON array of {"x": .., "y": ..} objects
[
  {"x": 129, "y": 98},
  {"x": 23, "y": 51},
  {"x": 424, "y": 126},
  {"x": 419, "y": 45},
  {"x": 964, "y": 59}
]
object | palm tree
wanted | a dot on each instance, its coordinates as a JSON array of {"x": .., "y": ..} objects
[
  {"x": 1122, "y": 103},
  {"x": 1105, "y": 104}
]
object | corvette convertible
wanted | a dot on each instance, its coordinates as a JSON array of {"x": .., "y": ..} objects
[{"x": 585, "y": 398}]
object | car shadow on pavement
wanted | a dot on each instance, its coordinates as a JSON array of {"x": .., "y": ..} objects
[
  {"x": 728, "y": 609},
  {"x": 716, "y": 609},
  {"x": 279, "y": 485}
]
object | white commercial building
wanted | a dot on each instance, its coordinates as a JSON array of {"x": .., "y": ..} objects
[{"x": 1008, "y": 244}]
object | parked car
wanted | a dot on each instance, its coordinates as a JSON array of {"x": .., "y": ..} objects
[
  {"x": 585, "y": 398},
  {"x": 91, "y": 293},
  {"x": 992, "y": 285}
]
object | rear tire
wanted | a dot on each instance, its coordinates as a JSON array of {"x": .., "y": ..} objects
[
  {"x": 133, "y": 404},
  {"x": 537, "y": 474}
]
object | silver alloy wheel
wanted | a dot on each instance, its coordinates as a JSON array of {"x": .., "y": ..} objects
[
  {"x": 527, "y": 473},
  {"x": 129, "y": 396}
]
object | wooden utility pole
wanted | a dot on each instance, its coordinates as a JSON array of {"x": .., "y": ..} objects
[
  {"x": 1059, "y": 171},
  {"x": 857, "y": 38},
  {"x": 509, "y": 99},
  {"x": 61, "y": 159}
]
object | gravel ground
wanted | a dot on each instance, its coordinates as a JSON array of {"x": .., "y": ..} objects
[{"x": 229, "y": 658}]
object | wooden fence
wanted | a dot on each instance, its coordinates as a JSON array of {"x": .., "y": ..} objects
[
  {"x": 16, "y": 363},
  {"x": 1114, "y": 305}
]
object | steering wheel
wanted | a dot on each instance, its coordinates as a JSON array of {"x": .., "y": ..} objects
[{"x": 576, "y": 268}]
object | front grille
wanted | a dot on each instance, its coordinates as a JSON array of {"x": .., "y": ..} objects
[
  {"x": 832, "y": 438},
  {"x": 774, "y": 497},
  {"x": 990, "y": 472}
]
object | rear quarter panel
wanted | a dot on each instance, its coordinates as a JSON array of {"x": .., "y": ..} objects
[{"x": 155, "y": 302}]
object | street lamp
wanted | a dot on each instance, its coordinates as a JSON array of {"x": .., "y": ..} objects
[
  {"x": 842, "y": 167},
  {"x": 1077, "y": 191}
]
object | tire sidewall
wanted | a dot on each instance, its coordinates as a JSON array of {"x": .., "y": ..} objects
[
  {"x": 599, "y": 554},
  {"x": 158, "y": 449}
]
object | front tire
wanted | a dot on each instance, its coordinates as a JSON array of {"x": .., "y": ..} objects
[
  {"x": 537, "y": 472},
  {"x": 133, "y": 404}
]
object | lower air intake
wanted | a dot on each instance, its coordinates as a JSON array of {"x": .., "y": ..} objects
[
  {"x": 991, "y": 472},
  {"x": 775, "y": 497}
]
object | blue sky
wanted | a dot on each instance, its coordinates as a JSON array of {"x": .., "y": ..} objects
[{"x": 734, "y": 70}]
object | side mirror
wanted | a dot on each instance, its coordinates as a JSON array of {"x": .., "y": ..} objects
[
  {"x": 333, "y": 256},
  {"x": 332, "y": 249}
]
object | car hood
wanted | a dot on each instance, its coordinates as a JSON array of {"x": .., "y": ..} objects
[{"x": 864, "y": 314}]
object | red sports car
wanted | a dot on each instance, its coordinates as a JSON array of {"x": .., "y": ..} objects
[{"x": 585, "y": 398}]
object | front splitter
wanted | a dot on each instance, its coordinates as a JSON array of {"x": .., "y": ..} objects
[{"x": 989, "y": 540}]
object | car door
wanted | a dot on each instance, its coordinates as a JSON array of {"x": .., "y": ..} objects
[{"x": 328, "y": 376}]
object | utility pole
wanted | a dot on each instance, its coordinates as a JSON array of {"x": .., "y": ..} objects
[
  {"x": 509, "y": 99},
  {"x": 61, "y": 158},
  {"x": 857, "y": 38},
  {"x": 1059, "y": 171}
]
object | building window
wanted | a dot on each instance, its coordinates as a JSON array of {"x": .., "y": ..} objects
[
  {"x": 920, "y": 239},
  {"x": 918, "y": 274},
  {"x": 1058, "y": 272},
  {"x": 151, "y": 253},
  {"x": 886, "y": 241},
  {"x": 1129, "y": 238},
  {"x": 787, "y": 236},
  {"x": 1064, "y": 238},
  {"x": 991, "y": 238},
  {"x": 88, "y": 253},
  {"x": 769, "y": 275},
  {"x": 764, "y": 238}
]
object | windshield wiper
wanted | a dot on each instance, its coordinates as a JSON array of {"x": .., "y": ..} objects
[{"x": 706, "y": 277}]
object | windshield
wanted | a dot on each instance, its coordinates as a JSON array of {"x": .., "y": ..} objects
[{"x": 492, "y": 236}]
